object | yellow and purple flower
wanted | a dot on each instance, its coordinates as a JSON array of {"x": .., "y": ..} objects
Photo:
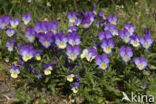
[
  {"x": 73, "y": 38},
  {"x": 89, "y": 54},
  {"x": 140, "y": 62},
  {"x": 61, "y": 40},
  {"x": 107, "y": 45},
  {"x": 41, "y": 26},
  {"x": 101, "y": 14},
  {"x": 10, "y": 32},
  {"x": 72, "y": 51},
  {"x": 146, "y": 41},
  {"x": 26, "y": 51},
  {"x": 126, "y": 53},
  {"x": 30, "y": 34},
  {"x": 46, "y": 39},
  {"x": 26, "y": 17},
  {"x": 52, "y": 26},
  {"x": 38, "y": 54},
  {"x": 129, "y": 27},
  {"x": 10, "y": 45},
  {"x": 4, "y": 21},
  {"x": 72, "y": 28},
  {"x": 75, "y": 86},
  {"x": 70, "y": 77},
  {"x": 72, "y": 17},
  {"x": 111, "y": 28},
  {"x": 134, "y": 40},
  {"x": 14, "y": 22},
  {"x": 48, "y": 68},
  {"x": 125, "y": 35},
  {"x": 15, "y": 70},
  {"x": 112, "y": 19},
  {"x": 87, "y": 19},
  {"x": 102, "y": 61}
]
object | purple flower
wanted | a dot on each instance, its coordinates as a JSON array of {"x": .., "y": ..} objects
[
  {"x": 134, "y": 40},
  {"x": 30, "y": 34},
  {"x": 101, "y": 14},
  {"x": 89, "y": 54},
  {"x": 38, "y": 56},
  {"x": 146, "y": 41},
  {"x": 75, "y": 84},
  {"x": 37, "y": 74},
  {"x": 112, "y": 19},
  {"x": 129, "y": 27},
  {"x": 104, "y": 35},
  {"x": 107, "y": 45},
  {"x": 10, "y": 32},
  {"x": 4, "y": 21},
  {"x": 87, "y": 19},
  {"x": 140, "y": 62},
  {"x": 15, "y": 70},
  {"x": 72, "y": 17},
  {"x": 125, "y": 35},
  {"x": 41, "y": 26},
  {"x": 147, "y": 32},
  {"x": 72, "y": 51},
  {"x": 155, "y": 41},
  {"x": 46, "y": 39},
  {"x": 48, "y": 68},
  {"x": 61, "y": 40},
  {"x": 20, "y": 62},
  {"x": 26, "y": 51},
  {"x": 14, "y": 22},
  {"x": 126, "y": 53},
  {"x": 26, "y": 17},
  {"x": 102, "y": 61},
  {"x": 73, "y": 38},
  {"x": 52, "y": 26},
  {"x": 10, "y": 45}
]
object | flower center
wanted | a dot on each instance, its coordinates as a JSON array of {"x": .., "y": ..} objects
[
  {"x": 85, "y": 55},
  {"x": 61, "y": 44},
  {"x": 125, "y": 38},
  {"x": 31, "y": 37},
  {"x": 38, "y": 57},
  {"x": 46, "y": 42},
  {"x": 41, "y": 31},
  {"x": 107, "y": 49},
  {"x": 10, "y": 34},
  {"x": 10, "y": 46},
  {"x": 3, "y": 24},
  {"x": 85, "y": 24},
  {"x": 135, "y": 43},
  {"x": 14, "y": 73},
  {"x": 129, "y": 31},
  {"x": 102, "y": 65},
  {"x": 70, "y": 78},
  {"x": 72, "y": 19},
  {"x": 113, "y": 22},
  {"x": 146, "y": 44},
  {"x": 140, "y": 66},
  {"x": 14, "y": 25},
  {"x": 27, "y": 57},
  {"x": 126, "y": 57},
  {"x": 52, "y": 30},
  {"x": 72, "y": 55},
  {"x": 73, "y": 44},
  {"x": 26, "y": 21}
]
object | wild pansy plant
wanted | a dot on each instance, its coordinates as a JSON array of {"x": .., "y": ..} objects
[
  {"x": 107, "y": 45},
  {"x": 111, "y": 28},
  {"x": 4, "y": 21},
  {"x": 52, "y": 26},
  {"x": 61, "y": 40},
  {"x": 102, "y": 61},
  {"x": 87, "y": 19},
  {"x": 134, "y": 40},
  {"x": 140, "y": 62},
  {"x": 15, "y": 70},
  {"x": 104, "y": 35},
  {"x": 26, "y": 17},
  {"x": 72, "y": 18},
  {"x": 73, "y": 38},
  {"x": 126, "y": 53},
  {"x": 146, "y": 41},
  {"x": 47, "y": 68},
  {"x": 10, "y": 32},
  {"x": 72, "y": 51},
  {"x": 41, "y": 26},
  {"x": 14, "y": 22},
  {"x": 30, "y": 34},
  {"x": 91, "y": 54},
  {"x": 46, "y": 39},
  {"x": 26, "y": 51},
  {"x": 125, "y": 35},
  {"x": 10, "y": 45}
]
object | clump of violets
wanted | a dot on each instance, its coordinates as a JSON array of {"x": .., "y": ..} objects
[
  {"x": 61, "y": 40},
  {"x": 146, "y": 41},
  {"x": 10, "y": 45},
  {"x": 30, "y": 34},
  {"x": 14, "y": 22},
  {"x": 107, "y": 45},
  {"x": 140, "y": 62},
  {"x": 4, "y": 21},
  {"x": 125, "y": 35},
  {"x": 102, "y": 61},
  {"x": 112, "y": 19},
  {"x": 26, "y": 17},
  {"x": 104, "y": 35},
  {"x": 126, "y": 53},
  {"x": 48, "y": 68},
  {"x": 26, "y": 51},
  {"x": 46, "y": 39},
  {"x": 129, "y": 27},
  {"x": 41, "y": 26},
  {"x": 15, "y": 70},
  {"x": 52, "y": 26},
  {"x": 134, "y": 40},
  {"x": 10, "y": 32},
  {"x": 73, "y": 38},
  {"x": 87, "y": 19},
  {"x": 72, "y": 51},
  {"x": 38, "y": 54}
]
